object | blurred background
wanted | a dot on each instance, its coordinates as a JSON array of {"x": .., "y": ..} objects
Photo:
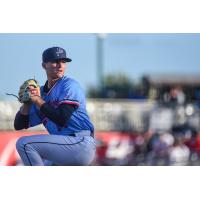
[{"x": 143, "y": 93}]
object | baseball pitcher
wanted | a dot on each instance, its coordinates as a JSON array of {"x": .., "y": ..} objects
[{"x": 60, "y": 106}]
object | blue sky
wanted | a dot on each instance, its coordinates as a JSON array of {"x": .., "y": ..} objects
[{"x": 132, "y": 54}]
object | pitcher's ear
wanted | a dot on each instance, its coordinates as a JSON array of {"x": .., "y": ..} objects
[{"x": 43, "y": 65}]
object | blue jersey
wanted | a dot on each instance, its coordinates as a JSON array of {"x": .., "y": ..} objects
[{"x": 65, "y": 91}]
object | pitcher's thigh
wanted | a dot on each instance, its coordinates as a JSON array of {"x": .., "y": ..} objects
[{"x": 61, "y": 150}]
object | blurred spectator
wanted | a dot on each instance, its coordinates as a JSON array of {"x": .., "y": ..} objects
[
  {"x": 179, "y": 153},
  {"x": 197, "y": 144},
  {"x": 177, "y": 96},
  {"x": 120, "y": 152},
  {"x": 158, "y": 146},
  {"x": 194, "y": 145},
  {"x": 167, "y": 138}
]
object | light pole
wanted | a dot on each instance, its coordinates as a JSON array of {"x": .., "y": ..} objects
[{"x": 100, "y": 59}]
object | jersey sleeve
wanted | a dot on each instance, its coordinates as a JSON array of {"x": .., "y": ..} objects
[
  {"x": 71, "y": 94},
  {"x": 34, "y": 116}
]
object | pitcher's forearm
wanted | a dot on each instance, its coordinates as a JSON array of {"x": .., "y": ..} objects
[{"x": 24, "y": 110}]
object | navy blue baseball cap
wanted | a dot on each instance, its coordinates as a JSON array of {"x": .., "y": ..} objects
[{"x": 55, "y": 53}]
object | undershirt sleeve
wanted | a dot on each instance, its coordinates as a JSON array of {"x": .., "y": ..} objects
[
  {"x": 59, "y": 115},
  {"x": 21, "y": 121}
]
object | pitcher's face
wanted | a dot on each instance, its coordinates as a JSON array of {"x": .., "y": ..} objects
[{"x": 55, "y": 69}]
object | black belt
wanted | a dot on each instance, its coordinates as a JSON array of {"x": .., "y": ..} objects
[{"x": 82, "y": 133}]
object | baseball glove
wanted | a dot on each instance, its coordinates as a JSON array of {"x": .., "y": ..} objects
[{"x": 24, "y": 91}]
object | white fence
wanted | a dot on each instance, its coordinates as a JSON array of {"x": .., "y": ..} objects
[{"x": 121, "y": 115}]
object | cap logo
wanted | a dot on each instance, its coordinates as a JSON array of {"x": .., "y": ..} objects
[{"x": 59, "y": 51}]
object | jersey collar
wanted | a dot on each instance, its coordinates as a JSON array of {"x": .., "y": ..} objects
[{"x": 47, "y": 90}]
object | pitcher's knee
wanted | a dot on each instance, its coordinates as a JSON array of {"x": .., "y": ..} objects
[{"x": 20, "y": 143}]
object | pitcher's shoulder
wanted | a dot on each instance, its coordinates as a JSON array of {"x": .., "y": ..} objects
[{"x": 70, "y": 81}]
